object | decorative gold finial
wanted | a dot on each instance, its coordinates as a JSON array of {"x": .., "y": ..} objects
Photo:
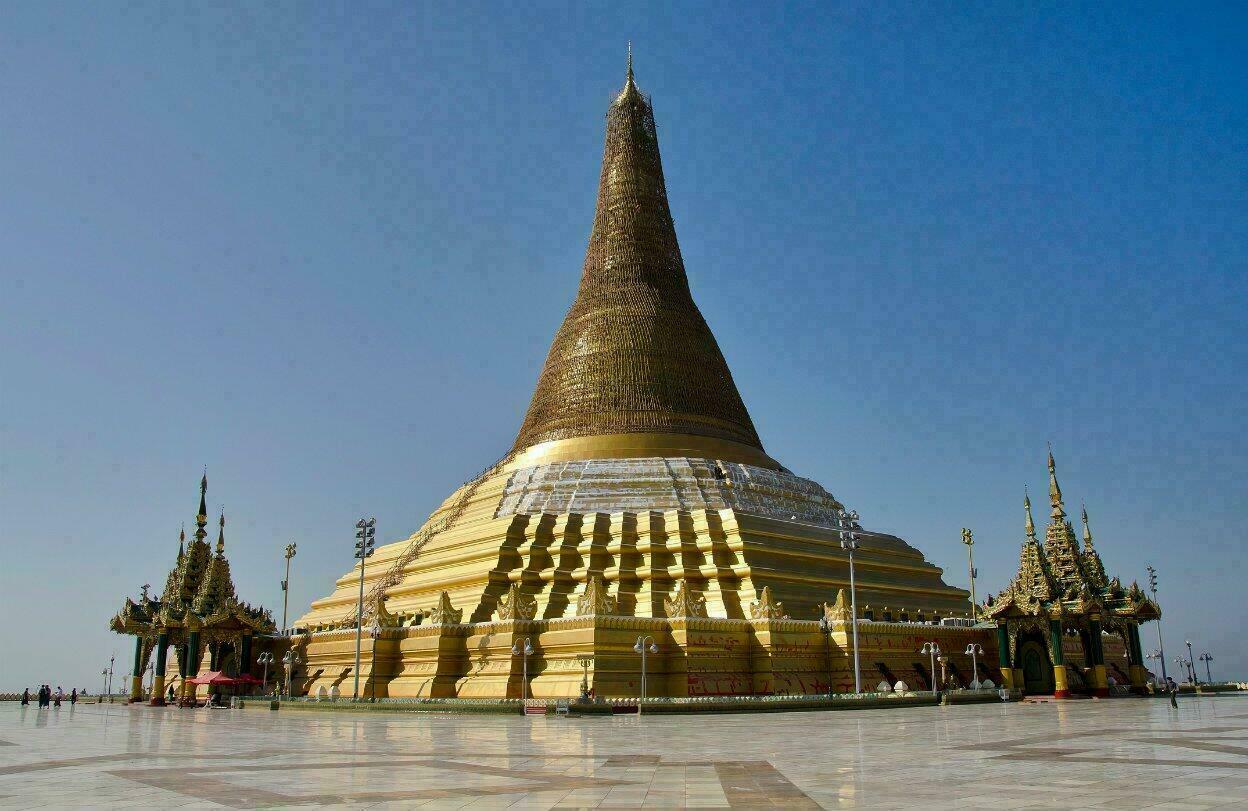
[
  {"x": 221, "y": 537},
  {"x": 1031, "y": 525},
  {"x": 1087, "y": 531},
  {"x": 630, "y": 62},
  {"x": 1055, "y": 490},
  {"x": 201, "y": 518},
  {"x": 182, "y": 542}
]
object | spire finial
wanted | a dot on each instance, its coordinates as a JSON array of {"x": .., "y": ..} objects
[
  {"x": 1055, "y": 490},
  {"x": 201, "y": 518},
  {"x": 1030, "y": 525},
  {"x": 221, "y": 536},
  {"x": 630, "y": 60},
  {"x": 182, "y": 541},
  {"x": 1087, "y": 531}
]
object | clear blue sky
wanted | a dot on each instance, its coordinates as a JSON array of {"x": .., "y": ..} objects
[{"x": 323, "y": 250}]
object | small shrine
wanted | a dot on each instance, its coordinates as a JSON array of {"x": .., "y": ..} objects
[
  {"x": 1053, "y": 616},
  {"x": 197, "y": 612}
]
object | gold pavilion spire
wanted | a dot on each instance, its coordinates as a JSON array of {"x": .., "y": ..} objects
[
  {"x": 1030, "y": 525},
  {"x": 1055, "y": 490},
  {"x": 1087, "y": 532},
  {"x": 201, "y": 519},
  {"x": 182, "y": 542},
  {"x": 221, "y": 536},
  {"x": 634, "y": 355}
]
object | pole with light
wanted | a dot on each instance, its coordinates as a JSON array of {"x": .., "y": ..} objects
[
  {"x": 365, "y": 530},
  {"x": 526, "y": 652},
  {"x": 932, "y": 650},
  {"x": 113, "y": 658},
  {"x": 290, "y": 660},
  {"x": 974, "y": 650},
  {"x": 968, "y": 538},
  {"x": 1157, "y": 656},
  {"x": 849, "y": 542},
  {"x": 644, "y": 645},
  {"x": 1181, "y": 662},
  {"x": 1191, "y": 660},
  {"x": 1206, "y": 658},
  {"x": 265, "y": 659},
  {"x": 104, "y": 684},
  {"x": 290, "y": 553},
  {"x": 1161, "y": 648}
]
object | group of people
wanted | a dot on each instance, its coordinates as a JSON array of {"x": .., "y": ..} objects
[{"x": 47, "y": 697}]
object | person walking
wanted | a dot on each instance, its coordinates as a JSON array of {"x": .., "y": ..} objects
[
  {"x": 59, "y": 695},
  {"x": 26, "y": 697},
  {"x": 43, "y": 696},
  {"x": 73, "y": 697}
]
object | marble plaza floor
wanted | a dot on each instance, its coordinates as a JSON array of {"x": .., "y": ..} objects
[{"x": 1126, "y": 753}]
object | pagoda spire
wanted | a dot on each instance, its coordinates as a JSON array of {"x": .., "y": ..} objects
[
  {"x": 1055, "y": 490},
  {"x": 201, "y": 518},
  {"x": 221, "y": 536},
  {"x": 1087, "y": 532},
  {"x": 182, "y": 542},
  {"x": 1030, "y": 525},
  {"x": 629, "y": 80},
  {"x": 634, "y": 354}
]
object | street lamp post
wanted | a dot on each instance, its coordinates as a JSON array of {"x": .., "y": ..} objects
[
  {"x": 1181, "y": 662},
  {"x": 290, "y": 553},
  {"x": 932, "y": 650},
  {"x": 968, "y": 538},
  {"x": 290, "y": 660},
  {"x": 1161, "y": 648},
  {"x": 109, "y": 688},
  {"x": 974, "y": 650},
  {"x": 644, "y": 645},
  {"x": 524, "y": 671},
  {"x": 826, "y": 627},
  {"x": 1156, "y": 656},
  {"x": 849, "y": 542},
  {"x": 1190, "y": 660},
  {"x": 103, "y": 684},
  {"x": 1206, "y": 658},
  {"x": 265, "y": 659},
  {"x": 365, "y": 530}
]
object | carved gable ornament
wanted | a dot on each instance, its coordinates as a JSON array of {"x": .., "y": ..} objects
[
  {"x": 595, "y": 599},
  {"x": 444, "y": 613},
  {"x": 767, "y": 607},
  {"x": 516, "y": 605},
  {"x": 685, "y": 602}
]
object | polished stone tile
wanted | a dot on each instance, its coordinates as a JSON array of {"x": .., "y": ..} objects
[{"x": 1085, "y": 754}]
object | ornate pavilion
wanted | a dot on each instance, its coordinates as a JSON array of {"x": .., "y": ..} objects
[
  {"x": 1051, "y": 618},
  {"x": 198, "y": 614}
]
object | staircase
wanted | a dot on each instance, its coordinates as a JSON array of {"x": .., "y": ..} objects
[{"x": 417, "y": 542}]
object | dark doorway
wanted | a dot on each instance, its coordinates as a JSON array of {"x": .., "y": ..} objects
[{"x": 1033, "y": 654}]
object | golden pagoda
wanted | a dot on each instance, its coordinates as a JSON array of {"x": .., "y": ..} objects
[{"x": 637, "y": 501}]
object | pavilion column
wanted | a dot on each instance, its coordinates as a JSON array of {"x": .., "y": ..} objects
[
  {"x": 244, "y": 654},
  {"x": 1060, "y": 688},
  {"x": 136, "y": 674},
  {"x": 190, "y": 665},
  {"x": 162, "y": 660},
  {"x": 1135, "y": 669},
  {"x": 1096, "y": 657},
  {"x": 1004, "y": 657}
]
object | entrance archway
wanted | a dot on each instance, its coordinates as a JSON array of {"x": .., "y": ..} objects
[{"x": 1037, "y": 667}]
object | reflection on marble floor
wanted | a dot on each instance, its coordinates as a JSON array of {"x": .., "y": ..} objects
[{"x": 1124, "y": 753}]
